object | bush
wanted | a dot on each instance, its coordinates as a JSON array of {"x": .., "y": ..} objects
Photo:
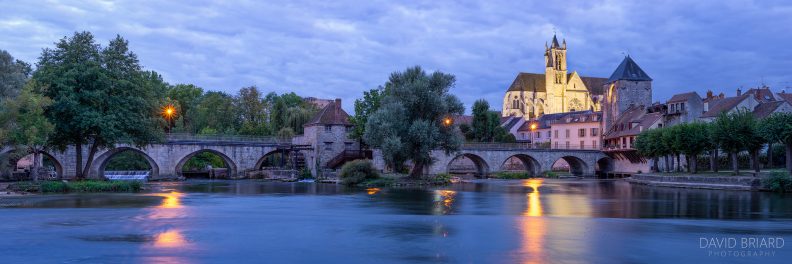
[
  {"x": 550, "y": 174},
  {"x": 357, "y": 171},
  {"x": 779, "y": 181},
  {"x": 442, "y": 178},
  {"x": 54, "y": 187},
  {"x": 305, "y": 173},
  {"x": 512, "y": 175},
  {"x": 91, "y": 186}
]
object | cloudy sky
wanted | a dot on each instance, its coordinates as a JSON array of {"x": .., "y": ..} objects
[{"x": 331, "y": 49}]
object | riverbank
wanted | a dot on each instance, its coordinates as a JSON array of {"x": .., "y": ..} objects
[{"x": 714, "y": 181}]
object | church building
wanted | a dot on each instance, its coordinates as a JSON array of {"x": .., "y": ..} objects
[{"x": 555, "y": 91}]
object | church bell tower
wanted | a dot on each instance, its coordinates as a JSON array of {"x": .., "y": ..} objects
[{"x": 556, "y": 75}]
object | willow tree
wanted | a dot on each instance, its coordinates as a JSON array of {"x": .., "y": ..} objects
[{"x": 409, "y": 124}]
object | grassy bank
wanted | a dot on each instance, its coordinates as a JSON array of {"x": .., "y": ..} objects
[{"x": 85, "y": 186}]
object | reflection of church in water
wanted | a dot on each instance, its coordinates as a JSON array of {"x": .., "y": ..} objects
[{"x": 555, "y": 91}]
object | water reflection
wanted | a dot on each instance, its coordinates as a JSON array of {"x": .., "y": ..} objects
[
  {"x": 172, "y": 200},
  {"x": 444, "y": 201},
  {"x": 532, "y": 226},
  {"x": 534, "y": 207},
  {"x": 170, "y": 239},
  {"x": 372, "y": 191}
]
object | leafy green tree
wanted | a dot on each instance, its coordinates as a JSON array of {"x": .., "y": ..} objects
[
  {"x": 735, "y": 132},
  {"x": 187, "y": 97},
  {"x": 409, "y": 124},
  {"x": 216, "y": 111},
  {"x": 646, "y": 145},
  {"x": 99, "y": 96},
  {"x": 482, "y": 121},
  {"x": 693, "y": 142},
  {"x": 364, "y": 108},
  {"x": 13, "y": 75},
  {"x": 777, "y": 128},
  {"x": 25, "y": 126},
  {"x": 252, "y": 111}
]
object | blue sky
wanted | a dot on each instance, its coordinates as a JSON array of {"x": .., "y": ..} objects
[{"x": 332, "y": 49}]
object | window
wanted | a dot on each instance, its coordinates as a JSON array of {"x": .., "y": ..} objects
[
  {"x": 538, "y": 134},
  {"x": 523, "y": 135},
  {"x": 582, "y": 133},
  {"x": 548, "y": 134},
  {"x": 582, "y": 144},
  {"x": 328, "y": 145},
  {"x": 567, "y": 145},
  {"x": 556, "y": 144},
  {"x": 594, "y": 144},
  {"x": 348, "y": 129},
  {"x": 594, "y": 131},
  {"x": 328, "y": 128},
  {"x": 347, "y": 145},
  {"x": 567, "y": 133},
  {"x": 682, "y": 107},
  {"x": 555, "y": 133}
]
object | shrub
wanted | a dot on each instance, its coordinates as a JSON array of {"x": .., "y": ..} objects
[
  {"x": 779, "y": 181},
  {"x": 512, "y": 175},
  {"x": 305, "y": 173},
  {"x": 54, "y": 187},
  {"x": 442, "y": 178},
  {"x": 91, "y": 186},
  {"x": 357, "y": 171},
  {"x": 550, "y": 174}
]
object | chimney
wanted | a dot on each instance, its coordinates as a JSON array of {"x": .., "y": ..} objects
[
  {"x": 709, "y": 94},
  {"x": 338, "y": 105},
  {"x": 739, "y": 91},
  {"x": 721, "y": 96}
]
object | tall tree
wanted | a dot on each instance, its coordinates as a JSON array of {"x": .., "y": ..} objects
[
  {"x": 216, "y": 112},
  {"x": 734, "y": 132},
  {"x": 409, "y": 124},
  {"x": 187, "y": 96},
  {"x": 26, "y": 128},
  {"x": 364, "y": 108},
  {"x": 13, "y": 75},
  {"x": 777, "y": 128},
  {"x": 99, "y": 96}
]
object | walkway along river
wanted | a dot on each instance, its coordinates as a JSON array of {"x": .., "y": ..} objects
[{"x": 529, "y": 221}]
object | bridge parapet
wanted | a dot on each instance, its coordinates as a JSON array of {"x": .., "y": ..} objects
[
  {"x": 185, "y": 138},
  {"x": 526, "y": 146}
]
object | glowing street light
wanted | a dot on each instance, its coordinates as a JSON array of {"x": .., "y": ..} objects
[
  {"x": 447, "y": 121},
  {"x": 168, "y": 112}
]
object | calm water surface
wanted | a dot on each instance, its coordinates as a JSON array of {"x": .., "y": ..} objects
[{"x": 531, "y": 221}]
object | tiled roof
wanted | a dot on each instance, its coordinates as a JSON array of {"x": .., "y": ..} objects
[
  {"x": 723, "y": 105},
  {"x": 761, "y": 94},
  {"x": 765, "y": 109},
  {"x": 332, "y": 114},
  {"x": 786, "y": 96},
  {"x": 582, "y": 117},
  {"x": 529, "y": 82},
  {"x": 594, "y": 84},
  {"x": 684, "y": 97},
  {"x": 630, "y": 71},
  {"x": 637, "y": 116}
]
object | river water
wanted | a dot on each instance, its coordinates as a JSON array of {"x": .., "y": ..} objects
[{"x": 529, "y": 221}]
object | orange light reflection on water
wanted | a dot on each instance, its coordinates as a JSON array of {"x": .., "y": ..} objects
[
  {"x": 372, "y": 191},
  {"x": 172, "y": 200},
  {"x": 533, "y": 226},
  {"x": 170, "y": 239}
]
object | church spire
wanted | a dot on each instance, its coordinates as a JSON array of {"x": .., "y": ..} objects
[{"x": 555, "y": 42}]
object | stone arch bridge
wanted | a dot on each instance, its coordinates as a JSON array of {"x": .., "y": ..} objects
[{"x": 243, "y": 154}]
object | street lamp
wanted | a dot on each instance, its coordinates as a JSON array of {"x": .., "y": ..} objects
[
  {"x": 168, "y": 112},
  {"x": 447, "y": 121},
  {"x": 533, "y": 126}
]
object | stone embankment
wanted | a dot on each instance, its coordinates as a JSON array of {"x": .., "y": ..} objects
[{"x": 742, "y": 183}]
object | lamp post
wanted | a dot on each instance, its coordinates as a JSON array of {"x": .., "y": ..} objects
[
  {"x": 168, "y": 112},
  {"x": 533, "y": 127}
]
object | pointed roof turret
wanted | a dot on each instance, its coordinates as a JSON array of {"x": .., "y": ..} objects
[
  {"x": 630, "y": 71},
  {"x": 555, "y": 42}
]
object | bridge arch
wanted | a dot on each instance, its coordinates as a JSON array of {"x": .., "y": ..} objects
[
  {"x": 232, "y": 166},
  {"x": 55, "y": 162},
  {"x": 604, "y": 165},
  {"x": 275, "y": 158},
  {"x": 530, "y": 164},
  {"x": 482, "y": 168},
  {"x": 100, "y": 163},
  {"x": 576, "y": 165}
]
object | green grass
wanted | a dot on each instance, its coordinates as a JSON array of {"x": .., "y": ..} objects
[{"x": 85, "y": 186}]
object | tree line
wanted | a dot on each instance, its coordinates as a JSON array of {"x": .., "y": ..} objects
[
  {"x": 84, "y": 94},
  {"x": 731, "y": 133}
]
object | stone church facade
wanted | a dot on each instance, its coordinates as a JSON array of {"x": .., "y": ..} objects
[{"x": 555, "y": 91}]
